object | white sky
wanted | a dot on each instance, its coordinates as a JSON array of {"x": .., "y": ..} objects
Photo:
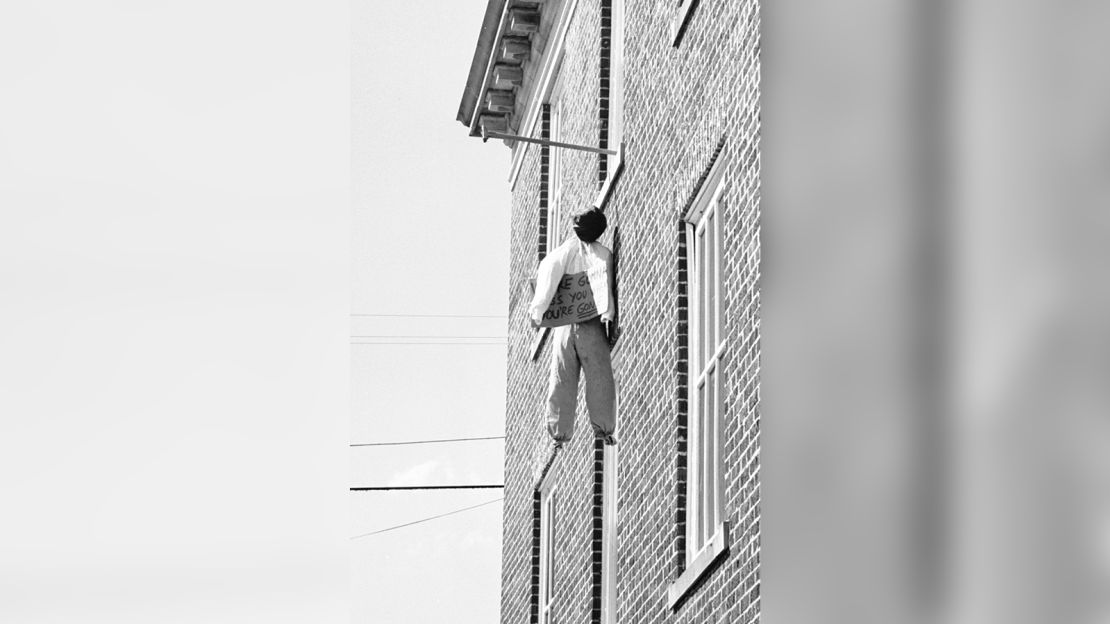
[
  {"x": 175, "y": 287},
  {"x": 431, "y": 237}
]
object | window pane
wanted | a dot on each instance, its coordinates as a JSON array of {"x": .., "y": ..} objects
[
  {"x": 554, "y": 183},
  {"x": 711, "y": 283},
  {"x": 710, "y": 419},
  {"x": 702, "y": 480},
  {"x": 616, "y": 77},
  {"x": 692, "y": 456},
  {"x": 719, "y": 443},
  {"x": 719, "y": 263},
  {"x": 702, "y": 317}
]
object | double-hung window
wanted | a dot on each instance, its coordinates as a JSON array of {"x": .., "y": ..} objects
[
  {"x": 704, "y": 491},
  {"x": 706, "y": 532}
]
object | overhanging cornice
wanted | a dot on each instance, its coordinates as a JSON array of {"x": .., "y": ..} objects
[
  {"x": 486, "y": 39},
  {"x": 497, "y": 69}
]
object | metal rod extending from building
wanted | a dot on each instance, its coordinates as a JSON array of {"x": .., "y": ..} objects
[
  {"x": 426, "y": 487},
  {"x": 486, "y": 135}
]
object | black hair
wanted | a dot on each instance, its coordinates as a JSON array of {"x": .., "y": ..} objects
[{"x": 590, "y": 225}]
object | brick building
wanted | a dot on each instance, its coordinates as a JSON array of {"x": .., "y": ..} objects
[{"x": 665, "y": 526}]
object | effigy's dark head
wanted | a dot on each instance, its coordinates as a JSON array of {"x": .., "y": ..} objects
[{"x": 590, "y": 225}]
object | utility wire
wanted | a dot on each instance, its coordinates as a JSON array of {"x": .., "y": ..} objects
[
  {"x": 450, "y": 513},
  {"x": 383, "y": 488},
  {"x": 446, "y": 336},
  {"x": 497, "y": 343},
  {"x": 501, "y": 316},
  {"x": 426, "y": 441}
]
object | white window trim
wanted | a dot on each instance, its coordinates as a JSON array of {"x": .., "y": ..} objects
[
  {"x": 616, "y": 73},
  {"x": 549, "y": 71},
  {"x": 609, "y": 516},
  {"x": 554, "y": 179},
  {"x": 548, "y": 500},
  {"x": 614, "y": 164}
]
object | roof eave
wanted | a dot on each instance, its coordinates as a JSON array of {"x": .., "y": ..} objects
[{"x": 479, "y": 66}]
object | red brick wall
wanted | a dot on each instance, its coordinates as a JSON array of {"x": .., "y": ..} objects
[{"x": 682, "y": 104}]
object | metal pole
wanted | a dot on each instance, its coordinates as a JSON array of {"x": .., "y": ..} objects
[{"x": 512, "y": 137}]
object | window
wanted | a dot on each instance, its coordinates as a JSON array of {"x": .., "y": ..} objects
[
  {"x": 706, "y": 532},
  {"x": 616, "y": 79},
  {"x": 609, "y": 536},
  {"x": 704, "y": 487},
  {"x": 554, "y": 181},
  {"x": 547, "y": 551},
  {"x": 614, "y": 105},
  {"x": 707, "y": 341}
]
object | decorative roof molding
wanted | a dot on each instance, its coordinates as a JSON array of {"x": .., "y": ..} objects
[
  {"x": 490, "y": 24},
  {"x": 497, "y": 69}
]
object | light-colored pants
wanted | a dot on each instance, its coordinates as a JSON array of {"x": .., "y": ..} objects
[{"x": 580, "y": 346}]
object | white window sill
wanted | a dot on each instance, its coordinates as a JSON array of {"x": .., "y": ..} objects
[
  {"x": 617, "y": 166},
  {"x": 718, "y": 546},
  {"x": 678, "y": 27}
]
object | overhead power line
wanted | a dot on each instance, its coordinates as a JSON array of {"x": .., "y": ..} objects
[
  {"x": 426, "y": 441},
  {"x": 383, "y": 488},
  {"x": 448, "y": 336},
  {"x": 443, "y": 515},
  {"x": 498, "y": 343},
  {"x": 500, "y": 316}
]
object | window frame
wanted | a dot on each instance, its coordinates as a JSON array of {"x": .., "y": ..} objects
[
  {"x": 614, "y": 137},
  {"x": 615, "y": 134},
  {"x": 609, "y": 518},
  {"x": 554, "y": 177},
  {"x": 703, "y": 516},
  {"x": 546, "y": 584},
  {"x": 706, "y": 533},
  {"x": 553, "y": 199}
]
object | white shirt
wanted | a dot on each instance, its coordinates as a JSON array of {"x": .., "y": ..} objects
[{"x": 575, "y": 256}]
